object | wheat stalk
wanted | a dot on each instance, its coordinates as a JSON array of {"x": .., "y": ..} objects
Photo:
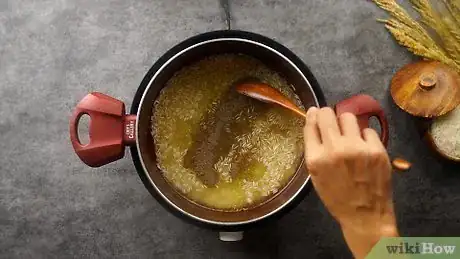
[
  {"x": 412, "y": 35},
  {"x": 431, "y": 18},
  {"x": 453, "y": 9},
  {"x": 452, "y": 19},
  {"x": 404, "y": 35},
  {"x": 399, "y": 13},
  {"x": 456, "y": 5},
  {"x": 452, "y": 27}
]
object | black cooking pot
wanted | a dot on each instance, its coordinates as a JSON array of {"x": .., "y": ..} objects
[{"x": 111, "y": 129}]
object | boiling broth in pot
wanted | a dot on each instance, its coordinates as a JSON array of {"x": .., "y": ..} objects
[{"x": 219, "y": 148}]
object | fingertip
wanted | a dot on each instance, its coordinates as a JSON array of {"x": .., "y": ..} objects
[
  {"x": 369, "y": 131},
  {"x": 370, "y": 135},
  {"x": 311, "y": 115},
  {"x": 311, "y": 111},
  {"x": 349, "y": 124},
  {"x": 327, "y": 109},
  {"x": 311, "y": 134},
  {"x": 346, "y": 115}
]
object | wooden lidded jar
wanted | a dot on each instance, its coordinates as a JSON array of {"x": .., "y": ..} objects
[{"x": 430, "y": 89}]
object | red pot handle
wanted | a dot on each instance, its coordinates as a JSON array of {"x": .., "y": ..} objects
[
  {"x": 110, "y": 129},
  {"x": 364, "y": 107}
]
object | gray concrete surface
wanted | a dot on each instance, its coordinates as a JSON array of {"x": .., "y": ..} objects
[{"x": 53, "y": 52}]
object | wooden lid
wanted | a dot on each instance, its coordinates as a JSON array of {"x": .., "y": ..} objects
[{"x": 426, "y": 88}]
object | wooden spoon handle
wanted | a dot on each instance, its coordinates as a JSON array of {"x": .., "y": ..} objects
[{"x": 295, "y": 109}]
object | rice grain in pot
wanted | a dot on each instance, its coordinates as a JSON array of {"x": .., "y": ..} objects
[{"x": 220, "y": 149}]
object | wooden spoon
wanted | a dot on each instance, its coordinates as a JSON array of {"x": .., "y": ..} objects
[{"x": 268, "y": 94}]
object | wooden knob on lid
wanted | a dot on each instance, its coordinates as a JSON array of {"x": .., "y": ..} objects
[
  {"x": 426, "y": 89},
  {"x": 427, "y": 81}
]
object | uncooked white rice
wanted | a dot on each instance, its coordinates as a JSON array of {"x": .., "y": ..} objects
[{"x": 445, "y": 132}]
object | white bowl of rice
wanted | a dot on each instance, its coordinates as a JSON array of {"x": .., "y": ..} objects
[{"x": 444, "y": 135}]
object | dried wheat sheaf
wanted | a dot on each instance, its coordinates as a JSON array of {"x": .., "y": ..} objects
[{"x": 434, "y": 34}]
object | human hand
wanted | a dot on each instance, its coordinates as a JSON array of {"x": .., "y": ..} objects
[{"x": 351, "y": 173}]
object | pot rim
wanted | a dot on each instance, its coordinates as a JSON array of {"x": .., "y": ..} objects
[{"x": 318, "y": 99}]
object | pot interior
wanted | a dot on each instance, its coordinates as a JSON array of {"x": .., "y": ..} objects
[{"x": 270, "y": 57}]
